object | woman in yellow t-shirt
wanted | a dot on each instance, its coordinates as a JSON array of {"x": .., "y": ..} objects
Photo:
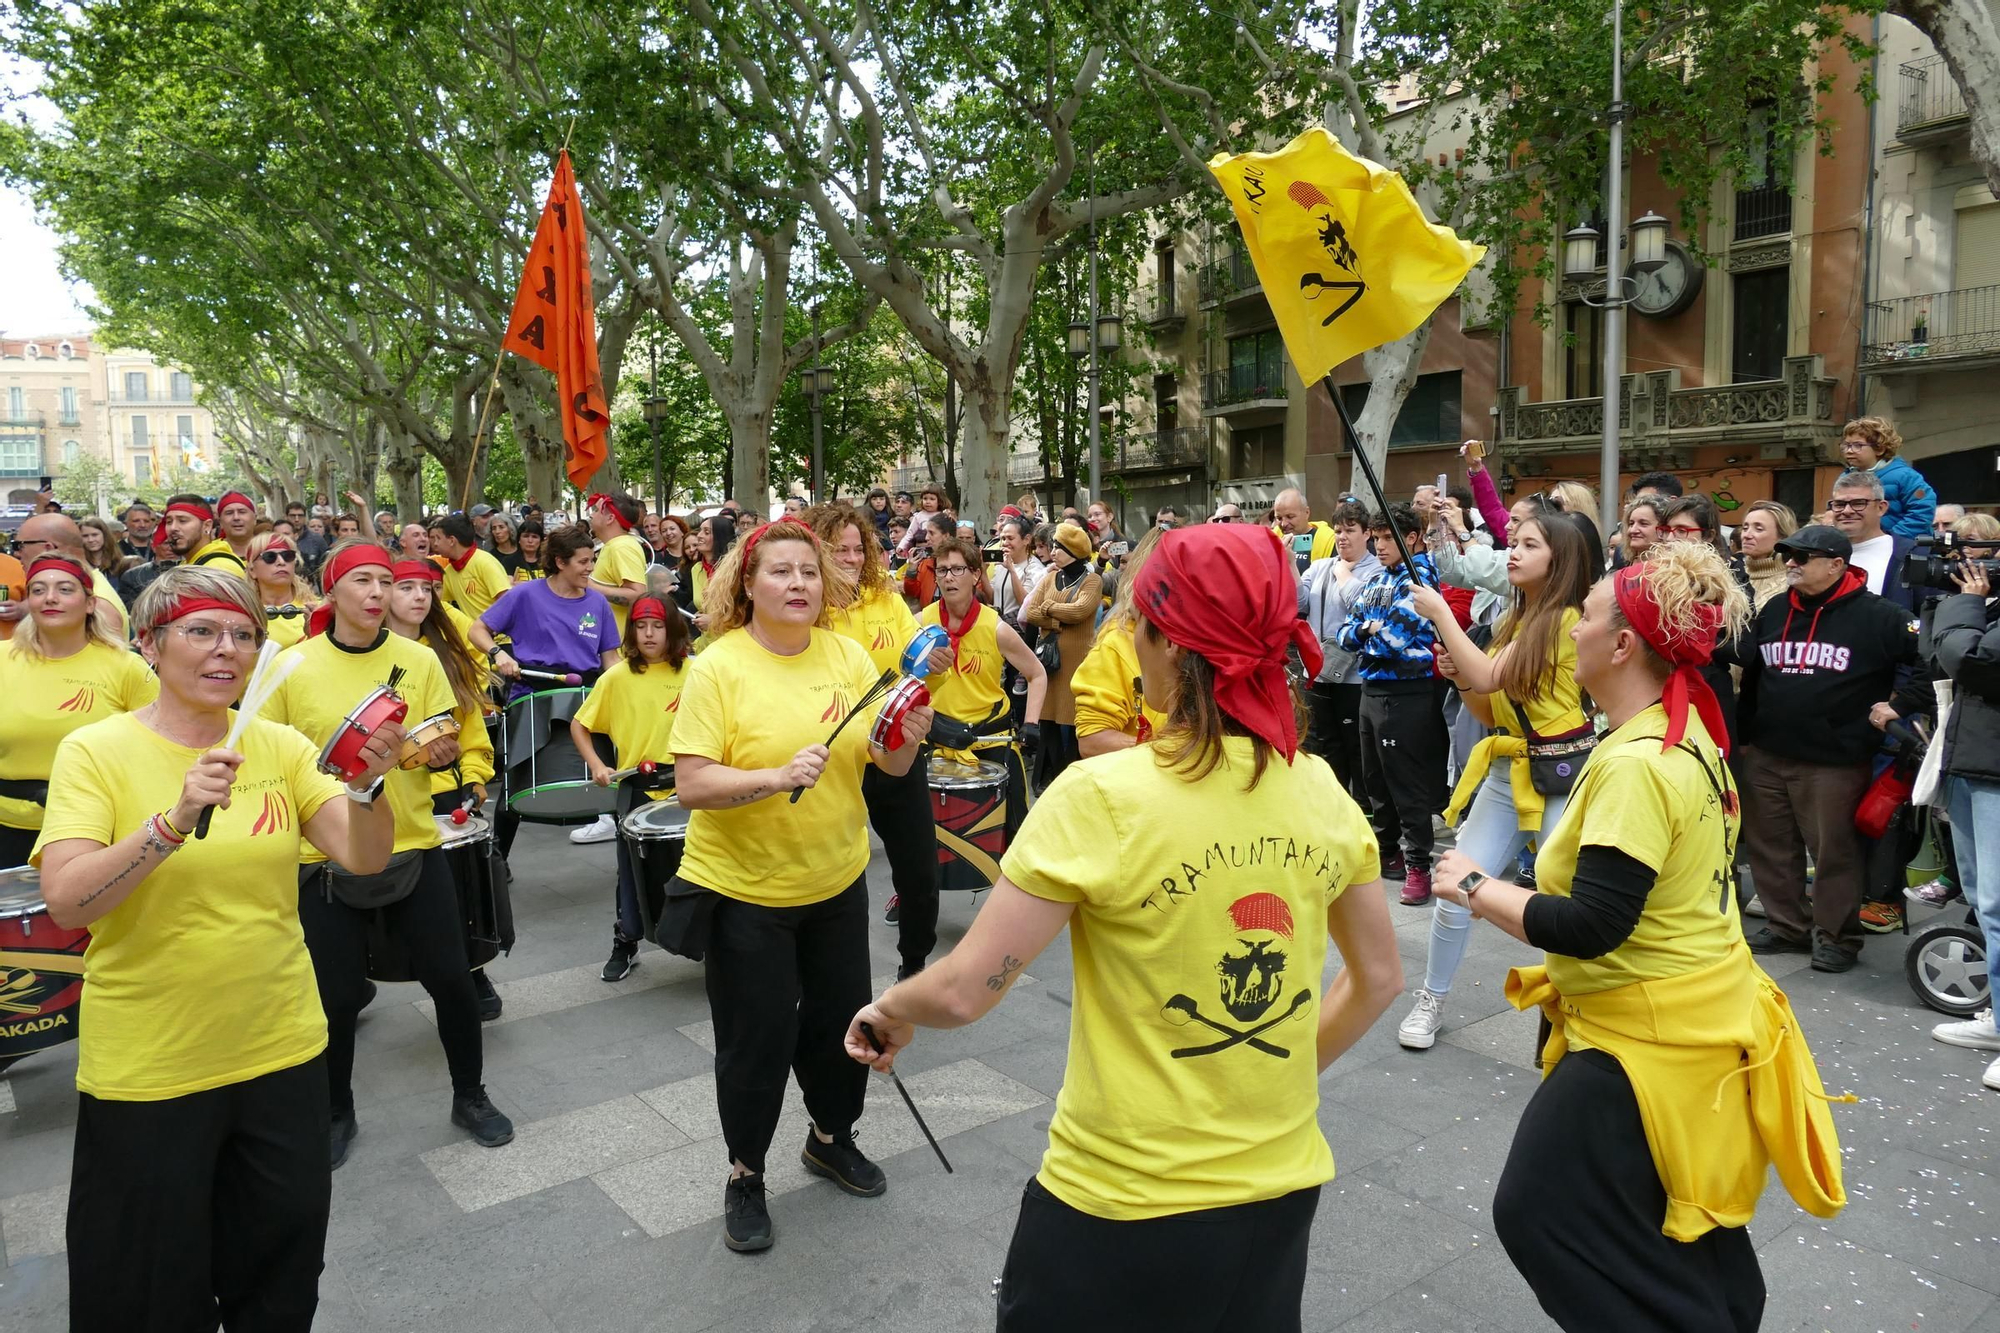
[
  {"x": 1111, "y": 711},
  {"x": 417, "y": 612},
  {"x": 1200, "y": 878},
  {"x": 1675, "y": 1073},
  {"x": 66, "y": 667},
  {"x": 273, "y": 566},
  {"x": 635, "y": 703},
  {"x": 200, "y": 1172},
  {"x": 787, "y": 940},
  {"x": 1526, "y": 689}
]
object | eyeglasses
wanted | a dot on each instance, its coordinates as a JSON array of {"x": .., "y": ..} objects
[
  {"x": 1863, "y": 503},
  {"x": 206, "y": 637},
  {"x": 1683, "y": 532},
  {"x": 273, "y": 557},
  {"x": 952, "y": 571}
]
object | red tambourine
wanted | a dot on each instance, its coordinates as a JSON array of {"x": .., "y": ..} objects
[
  {"x": 909, "y": 692},
  {"x": 342, "y": 756}
]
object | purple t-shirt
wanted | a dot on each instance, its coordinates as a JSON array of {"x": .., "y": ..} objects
[{"x": 550, "y": 630}]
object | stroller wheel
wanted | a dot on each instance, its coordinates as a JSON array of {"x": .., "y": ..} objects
[{"x": 1946, "y": 966}]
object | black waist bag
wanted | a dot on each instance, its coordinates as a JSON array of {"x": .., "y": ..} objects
[
  {"x": 1555, "y": 761},
  {"x": 392, "y": 884},
  {"x": 687, "y": 919}
]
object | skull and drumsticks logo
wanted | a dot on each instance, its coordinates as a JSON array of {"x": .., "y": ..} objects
[{"x": 1251, "y": 975}]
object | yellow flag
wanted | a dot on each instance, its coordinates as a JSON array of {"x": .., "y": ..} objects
[{"x": 1347, "y": 259}]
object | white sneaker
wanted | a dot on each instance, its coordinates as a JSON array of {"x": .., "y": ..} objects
[
  {"x": 1419, "y": 1031},
  {"x": 604, "y": 830},
  {"x": 1976, "y": 1032},
  {"x": 1992, "y": 1076}
]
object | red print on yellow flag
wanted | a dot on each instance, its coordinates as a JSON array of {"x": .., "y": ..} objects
[{"x": 554, "y": 324}]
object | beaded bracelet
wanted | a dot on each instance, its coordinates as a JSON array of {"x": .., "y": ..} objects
[{"x": 159, "y": 839}]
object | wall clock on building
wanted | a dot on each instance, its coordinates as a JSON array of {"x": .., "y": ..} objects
[{"x": 1672, "y": 287}]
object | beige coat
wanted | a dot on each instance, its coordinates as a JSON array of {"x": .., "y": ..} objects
[{"x": 1072, "y": 616}]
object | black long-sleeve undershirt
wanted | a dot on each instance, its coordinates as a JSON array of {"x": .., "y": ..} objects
[{"x": 1606, "y": 896}]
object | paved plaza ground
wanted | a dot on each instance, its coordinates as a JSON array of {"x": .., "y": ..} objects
[{"x": 603, "y": 1213}]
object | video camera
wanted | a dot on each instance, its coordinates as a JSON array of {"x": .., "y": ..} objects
[{"x": 1933, "y": 560}]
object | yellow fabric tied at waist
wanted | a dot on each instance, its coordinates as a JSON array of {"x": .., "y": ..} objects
[
  {"x": 1499, "y": 747},
  {"x": 1683, "y": 1042}
]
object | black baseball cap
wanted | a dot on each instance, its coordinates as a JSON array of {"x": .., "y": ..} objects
[{"x": 1817, "y": 539}]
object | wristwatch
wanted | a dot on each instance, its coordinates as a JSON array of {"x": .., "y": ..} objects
[
  {"x": 1470, "y": 884},
  {"x": 365, "y": 795}
]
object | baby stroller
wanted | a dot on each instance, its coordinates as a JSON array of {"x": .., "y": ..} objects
[{"x": 1945, "y": 960}]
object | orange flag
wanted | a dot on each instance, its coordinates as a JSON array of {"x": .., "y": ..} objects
[{"x": 554, "y": 324}]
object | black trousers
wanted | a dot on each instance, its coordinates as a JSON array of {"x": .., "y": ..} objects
[
  {"x": 1404, "y": 743},
  {"x": 630, "y": 921},
  {"x": 1241, "y": 1267},
  {"x": 201, "y": 1209},
  {"x": 783, "y": 984},
  {"x": 1335, "y": 734},
  {"x": 427, "y": 924},
  {"x": 900, "y": 811},
  {"x": 1579, "y": 1208},
  {"x": 15, "y": 844}
]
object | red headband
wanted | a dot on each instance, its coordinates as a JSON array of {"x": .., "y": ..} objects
[
  {"x": 417, "y": 569},
  {"x": 187, "y": 606},
  {"x": 338, "y": 568},
  {"x": 1227, "y": 591},
  {"x": 235, "y": 498},
  {"x": 1689, "y": 649},
  {"x": 648, "y": 608},
  {"x": 604, "y": 500},
  {"x": 61, "y": 562},
  {"x": 200, "y": 511}
]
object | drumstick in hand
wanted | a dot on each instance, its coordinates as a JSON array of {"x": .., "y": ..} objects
[
  {"x": 881, "y": 686},
  {"x": 560, "y": 678},
  {"x": 265, "y": 677}
]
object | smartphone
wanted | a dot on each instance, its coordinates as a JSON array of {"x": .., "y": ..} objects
[
  {"x": 1118, "y": 550},
  {"x": 1444, "y": 485},
  {"x": 46, "y": 484},
  {"x": 1474, "y": 450}
]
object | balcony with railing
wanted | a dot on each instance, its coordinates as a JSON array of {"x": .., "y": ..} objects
[
  {"x": 1168, "y": 315},
  {"x": 1248, "y": 387},
  {"x": 1764, "y": 210},
  {"x": 1142, "y": 451},
  {"x": 1229, "y": 279},
  {"x": 1954, "y": 330},
  {"x": 1659, "y": 421},
  {"x": 20, "y": 423},
  {"x": 153, "y": 400},
  {"x": 1929, "y": 102}
]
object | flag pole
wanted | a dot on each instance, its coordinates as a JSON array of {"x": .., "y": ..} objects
[
  {"x": 1368, "y": 471},
  {"x": 485, "y": 411}
]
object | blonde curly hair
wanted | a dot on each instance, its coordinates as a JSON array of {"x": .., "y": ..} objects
[
  {"x": 1682, "y": 576},
  {"x": 726, "y": 601}
]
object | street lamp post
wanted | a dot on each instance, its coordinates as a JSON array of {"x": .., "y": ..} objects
[{"x": 817, "y": 381}]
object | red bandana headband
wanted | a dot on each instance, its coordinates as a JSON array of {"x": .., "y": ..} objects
[
  {"x": 200, "y": 511},
  {"x": 417, "y": 569},
  {"x": 187, "y": 606},
  {"x": 603, "y": 500},
  {"x": 1228, "y": 592},
  {"x": 648, "y": 608},
  {"x": 59, "y": 562},
  {"x": 235, "y": 498},
  {"x": 339, "y": 567},
  {"x": 1689, "y": 648}
]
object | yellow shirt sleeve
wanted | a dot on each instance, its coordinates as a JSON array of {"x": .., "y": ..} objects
[
  {"x": 1099, "y": 693},
  {"x": 698, "y": 726},
  {"x": 1065, "y": 851},
  {"x": 76, "y": 806}
]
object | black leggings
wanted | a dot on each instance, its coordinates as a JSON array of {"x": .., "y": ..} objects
[
  {"x": 427, "y": 924},
  {"x": 900, "y": 810},
  {"x": 203, "y": 1207},
  {"x": 783, "y": 984},
  {"x": 1238, "y": 1267},
  {"x": 1580, "y": 1206},
  {"x": 1335, "y": 735}
]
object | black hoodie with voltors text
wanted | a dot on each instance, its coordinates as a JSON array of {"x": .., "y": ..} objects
[{"x": 1814, "y": 666}]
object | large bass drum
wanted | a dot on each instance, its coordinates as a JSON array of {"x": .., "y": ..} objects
[{"x": 41, "y": 969}]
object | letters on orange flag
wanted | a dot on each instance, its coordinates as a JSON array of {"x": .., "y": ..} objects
[{"x": 554, "y": 324}]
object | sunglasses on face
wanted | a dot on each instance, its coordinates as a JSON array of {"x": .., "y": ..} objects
[
  {"x": 273, "y": 557},
  {"x": 1223, "y": 518},
  {"x": 1802, "y": 557}
]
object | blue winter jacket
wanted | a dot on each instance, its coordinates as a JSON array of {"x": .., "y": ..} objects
[
  {"x": 1404, "y": 648},
  {"x": 1912, "y": 502}
]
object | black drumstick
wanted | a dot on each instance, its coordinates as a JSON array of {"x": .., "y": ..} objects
[
  {"x": 875, "y": 691},
  {"x": 875, "y": 1041}
]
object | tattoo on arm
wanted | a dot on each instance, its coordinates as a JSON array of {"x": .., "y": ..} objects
[
  {"x": 756, "y": 793},
  {"x": 117, "y": 879},
  {"x": 1009, "y": 965}
]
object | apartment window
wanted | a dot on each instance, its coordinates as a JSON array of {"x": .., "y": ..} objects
[
  {"x": 71, "y": 452},
  {"x": 65, "y": 351},
  {"x": 1583, "y": 350},
  {"x": 135, "y": 385},
  {"x": 17, "y": 404},
  {"x": 184, "y": 431},
  {"x": 1257, "y": 452},
  {"x": 139, "y": 440},
  {"x": 1167, "y": 401},
  {"x": 142, "y": 469},
  {"x": 1794, "y": 486},
  {"x": 1429, "y": 415},
  {"x": 1763, "y": 200},
  {"x": 1257, "y": 365},
  {"x": 69, "y": 406},
  {"x": 1163, "y": 256},
  {"x": 183, "y": 386},
  {"x": 1760, "y": 324},
  {"x": 20, "y": 455}
]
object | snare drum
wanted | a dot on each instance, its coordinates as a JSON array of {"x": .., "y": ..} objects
[
  {"x": 484, "y": 911},
  {"x": 655, "y": 836},
  {"x": 969, "y": 807},
  {"x": 41, "y": 969},
  {"x": 546, "y": 782},
  {"x": 420, "y": 736}
]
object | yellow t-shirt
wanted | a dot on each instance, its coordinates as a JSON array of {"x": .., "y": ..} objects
[
  {"x": 47, "y": 699},
  {"x": 475, "y": 743},
  {"x": 1107, "y": 690},
  {"x": 101, "y": 589},
  {"x": 747, "y": 707},
  {"x": 331, "y": 679},
  {"x": 620, "y": 560},
  {"x": 881, "y": 623},
  {"x": 219, "y": 552},
  {"x": 1200, "y": 916},
  {"x": 478, "y": 585},
  {"x": 200, "y": 978},
  {"x": 1663, "y": 810},
  {"x": 637, "y": 711},
  {"x": 1560, "y": 708},
  {"x": 972, "y": 687}
]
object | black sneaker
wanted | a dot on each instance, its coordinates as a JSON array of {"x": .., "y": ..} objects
[
  {"x": 489, "y": 999},
  {"x": 842, "y": 1163},
  {"x": 1832, "y": 958},
  {"x": 1394, "y": 867},
  {"x": 475, "y": 1113},
  {"x": 894, "y": 911},
  {"x": 1770, "y": 941},
  {"x": 746, "y": 1220},
  {"x": 341, "y": 1137},
  {"x": 624, "y": 957}
]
